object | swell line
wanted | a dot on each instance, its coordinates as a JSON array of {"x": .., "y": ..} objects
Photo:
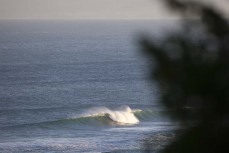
[{"x": 100, "y": 119}]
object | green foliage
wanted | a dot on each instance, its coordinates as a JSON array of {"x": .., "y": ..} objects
[{"x": 193, "y": 75}]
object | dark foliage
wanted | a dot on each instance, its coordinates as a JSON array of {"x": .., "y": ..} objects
[{"x": 192, "y": 69}]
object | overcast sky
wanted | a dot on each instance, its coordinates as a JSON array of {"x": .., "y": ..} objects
[{"x": 86, "y": 9}]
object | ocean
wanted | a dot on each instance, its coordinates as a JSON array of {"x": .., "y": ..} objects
[{"x": 79, "y": 86}]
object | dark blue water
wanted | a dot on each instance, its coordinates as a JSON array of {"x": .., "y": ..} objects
[{"x": 57, "y": 77}]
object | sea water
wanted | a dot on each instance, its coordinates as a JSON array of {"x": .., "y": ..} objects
[{"x": 78, "y": 86}]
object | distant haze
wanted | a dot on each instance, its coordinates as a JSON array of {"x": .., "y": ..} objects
[{"x": 87, "y": 9}]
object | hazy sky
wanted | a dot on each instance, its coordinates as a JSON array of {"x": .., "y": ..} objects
[{"x": 86, "y": 9}]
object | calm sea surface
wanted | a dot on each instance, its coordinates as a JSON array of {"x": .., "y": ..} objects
[{"x": 63, "y": 85}]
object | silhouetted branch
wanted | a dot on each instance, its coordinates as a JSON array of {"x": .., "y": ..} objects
[{"x": 193, "y": 74}]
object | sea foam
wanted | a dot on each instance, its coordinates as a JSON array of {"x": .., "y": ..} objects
[{"x": 121, "y": 115}]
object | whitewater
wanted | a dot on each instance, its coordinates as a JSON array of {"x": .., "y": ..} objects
[{"x": 122, "y": 115}]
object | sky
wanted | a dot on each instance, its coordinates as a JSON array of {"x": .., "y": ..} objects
[{"x": 87, "y": 9}]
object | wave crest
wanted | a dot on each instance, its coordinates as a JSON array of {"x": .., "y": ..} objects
[{"x": 124, "y": 114}]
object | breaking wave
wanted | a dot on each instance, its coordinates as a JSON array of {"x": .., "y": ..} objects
[{"x": 121, "y": 115}]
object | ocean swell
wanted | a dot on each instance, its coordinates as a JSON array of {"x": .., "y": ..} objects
[{"x": 102, "y": 115}]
